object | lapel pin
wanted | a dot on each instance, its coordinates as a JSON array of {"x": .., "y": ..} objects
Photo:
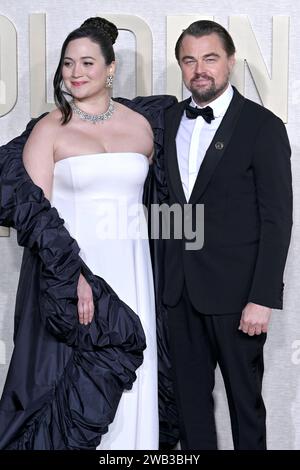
[{"x": 219, "y": 145}]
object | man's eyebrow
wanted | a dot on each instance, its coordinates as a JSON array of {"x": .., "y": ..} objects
[
  {"x": 188, "y": 57},
  {"x": 211, "y": 54}
]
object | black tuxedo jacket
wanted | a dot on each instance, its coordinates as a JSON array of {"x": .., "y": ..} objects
[{"x": 245, "y": 185}]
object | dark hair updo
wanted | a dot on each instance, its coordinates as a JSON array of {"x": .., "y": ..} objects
[{"x": 98, "y": 30}]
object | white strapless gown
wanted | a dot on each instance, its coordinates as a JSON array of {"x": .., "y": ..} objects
[{"x": 99, "y": 197}]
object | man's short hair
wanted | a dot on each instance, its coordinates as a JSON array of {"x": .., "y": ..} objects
[{"x": 205, "y": 28}]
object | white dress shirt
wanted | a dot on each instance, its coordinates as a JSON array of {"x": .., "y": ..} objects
[{"x": 193, "y": 138}]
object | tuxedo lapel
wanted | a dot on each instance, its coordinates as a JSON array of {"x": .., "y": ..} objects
[
  {"x": 172, "y": 125},
  {"x": 218, "y": 146}
]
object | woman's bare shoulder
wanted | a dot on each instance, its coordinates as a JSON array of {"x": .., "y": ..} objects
[
  {"x": 45, "y": 130},
  {"x": 131, "y": 114},
  {"x": 47, "y": 126},
  {"x": 50, "y": 120}
]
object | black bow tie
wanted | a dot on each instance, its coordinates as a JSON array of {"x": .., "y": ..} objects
[{"x": 192, "y": 113}]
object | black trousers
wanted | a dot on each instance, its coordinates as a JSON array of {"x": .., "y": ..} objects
[{"x": 197, "y": 343}]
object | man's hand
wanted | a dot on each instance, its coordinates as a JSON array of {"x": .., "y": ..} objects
[
  {"x": 85, "y": 301},
  {"x": 255, "y": 319}
]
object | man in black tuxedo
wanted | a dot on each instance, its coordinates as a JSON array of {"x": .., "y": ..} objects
[{"x": 234, "y": 158}]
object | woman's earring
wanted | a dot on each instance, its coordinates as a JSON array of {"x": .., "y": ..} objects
[{"x": 109, "y": 81}]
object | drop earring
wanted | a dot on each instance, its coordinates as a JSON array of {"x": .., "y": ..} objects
[{"x": 109, "y": 81}]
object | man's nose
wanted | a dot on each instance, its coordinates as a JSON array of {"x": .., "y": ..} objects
[{"x": 199, "y": 67}]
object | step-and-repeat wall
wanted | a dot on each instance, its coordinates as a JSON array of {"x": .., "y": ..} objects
[{"x": 267, "y": 37}]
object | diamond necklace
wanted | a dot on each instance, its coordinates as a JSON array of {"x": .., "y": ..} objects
[{"x": 94, "y": 118}]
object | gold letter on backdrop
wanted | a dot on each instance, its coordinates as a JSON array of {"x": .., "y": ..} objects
[
  {"x": 8, "y": 65},
  {"x": 272, "y": 91},
  {"x": 38, "y": 87},
  {"x": 143, "y": 37}
]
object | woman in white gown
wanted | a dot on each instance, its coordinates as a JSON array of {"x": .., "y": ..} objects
[{"x": 91, "y": 157}]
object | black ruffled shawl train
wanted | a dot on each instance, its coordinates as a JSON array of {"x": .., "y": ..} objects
[{"x": 65, "y": 379}]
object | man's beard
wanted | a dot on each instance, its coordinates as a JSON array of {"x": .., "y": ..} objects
[{"x": 210, "y": 93}]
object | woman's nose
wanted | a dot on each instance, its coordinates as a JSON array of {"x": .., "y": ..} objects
[{"x": 76, "y": 71}]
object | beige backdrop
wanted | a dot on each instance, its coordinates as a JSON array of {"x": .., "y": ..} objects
[{"x": 273, "y": 23}]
